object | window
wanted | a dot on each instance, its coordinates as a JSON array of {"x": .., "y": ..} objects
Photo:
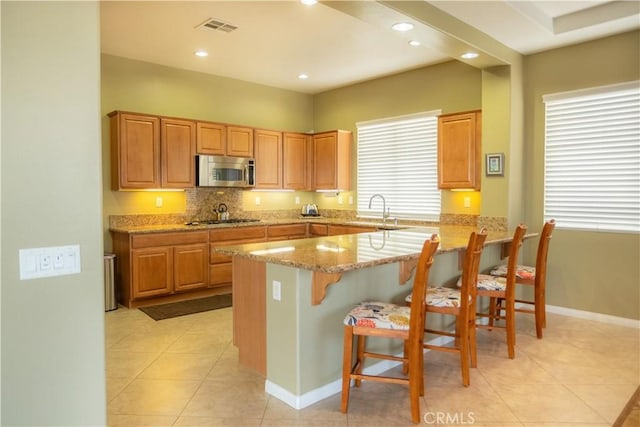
[
  {"x": 592, "y": 158},
  {"x": 397, "y": 158}
]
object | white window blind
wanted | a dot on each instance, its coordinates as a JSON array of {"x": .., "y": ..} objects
[
  {"x": 397, "y": 158},
  {"x": 592, "y": 158}
]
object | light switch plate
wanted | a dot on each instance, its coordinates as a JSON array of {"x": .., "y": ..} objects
[{"x": 49, "y": 261}]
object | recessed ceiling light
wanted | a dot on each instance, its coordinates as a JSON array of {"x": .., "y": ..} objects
[
  {"x": 201, "y": 53},
  {"x": 303, "y": 76},
  {"x": 414, "y": 43},
  {"x": 469, "y": 55},
  {"x": 309, "y": 2},
  {"x": 402, "y": 26}
]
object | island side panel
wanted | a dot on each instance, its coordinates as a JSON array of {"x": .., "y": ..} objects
[{"x": 249, "y": 314}]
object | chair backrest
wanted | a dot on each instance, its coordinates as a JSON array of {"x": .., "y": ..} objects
[
  {"x": 512, "y": 264},
  {"x": 470, "y": 272},
  {"x": 419, "y": 292},
  {"x": 543, "y": 250}
]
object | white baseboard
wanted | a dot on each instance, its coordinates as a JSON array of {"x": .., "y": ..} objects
[
  {"x": 334, "y": 387},
  {"x": 320, "y": 393},
  {"x": 598, "y": 317}
]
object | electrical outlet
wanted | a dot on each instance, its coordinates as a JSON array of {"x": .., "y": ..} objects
[
  {"x": 257, "y": 201},
  {"x": 340, "y": 200},
  {"x": 277, "y": 290},
  {"x": 467, "y": 202},
  {"x": 297, "y": 200},
  {"x": 159, "y": 202}
]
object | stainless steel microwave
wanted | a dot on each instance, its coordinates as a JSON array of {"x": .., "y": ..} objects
[{"x": 222, "y": 171}]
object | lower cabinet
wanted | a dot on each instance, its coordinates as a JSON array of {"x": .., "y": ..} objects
[
  {"x": 220, "y": 266},
  {"x": 286, "y": 232},
  {"x": 160, "y": 265},
  {"x": 334, "y": 230}
]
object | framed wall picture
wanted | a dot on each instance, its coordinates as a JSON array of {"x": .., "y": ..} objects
[{"x": 495, "y": 164}]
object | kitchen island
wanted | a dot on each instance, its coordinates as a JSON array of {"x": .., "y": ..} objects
[{"x": 290, "y": 298}]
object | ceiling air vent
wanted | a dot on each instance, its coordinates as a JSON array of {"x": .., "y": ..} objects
[{"x": 216, "y": 24}]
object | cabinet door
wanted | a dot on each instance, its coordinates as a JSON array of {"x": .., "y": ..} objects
[
  {"x": 318, "y": 230},
  {"x": 267, "y": 148},
  {"x": 178, "y": 153},
  {"x": 294, "y": 164},
  {"x": 190, "y": 267},
  {"x": 135, "y": 151},
  {"x": 152, "y": 272},
  {"x": 286, "y": 232},
  {"x": 459, "y": 150},
  {"x": 239, "y": 141},
  {"x": 211, "y": 139},
  {"x": 332, "y": 160}
]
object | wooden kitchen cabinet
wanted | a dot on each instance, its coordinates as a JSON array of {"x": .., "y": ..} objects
[
  {"x": 239, "y": 141},
  {"x": 295, "y": 159},
  {"x": 318, "y": 230},
  {"x": 459, "y": 150},
  {"x": 153, "y": 265},
  {"x": 332, "y": 160},
  {"x": 135, "y": 151},
  {"x": 211, "y": 139},
  {"x": 220, "y": 266},
  {"x": 149, "y": 152},
  {"x": 178, "y": 149},
  {"x": 286, "y": 232},
  {"x": 267, "y": 149}
]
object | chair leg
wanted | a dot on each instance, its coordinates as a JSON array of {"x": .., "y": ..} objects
[
  {"x": 473, "y": 349},
  {"x": 346, "y": 367},
  {"x": 360, "y": 357},
  {"x": 539, "y": 309},
  {"x": 405, "y": 353},
  {"x": 492, "y": 310},
  {"x": 463, "y": 330},
  {"x": 511, "y": 327},
  {"x": 415, "y": 381}
]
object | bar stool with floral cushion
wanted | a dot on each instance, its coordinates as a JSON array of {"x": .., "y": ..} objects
[
  {"x": 461, "y": 304},
  {"x": 380, "y": 319},
  {"x": 533, "y": 276}
]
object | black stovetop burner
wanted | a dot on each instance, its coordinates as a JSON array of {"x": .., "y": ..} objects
[{"x": 221, "y": 221}]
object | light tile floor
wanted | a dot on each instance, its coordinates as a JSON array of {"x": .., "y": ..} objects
[{"x": 184, "y": 372}]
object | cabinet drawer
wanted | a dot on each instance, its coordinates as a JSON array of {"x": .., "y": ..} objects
[
  {"x": 289, "y": 230},
  {"x": 318, "y": 230},
  {"x": 168, "y": 239},
  {"x": 237, "y": 233},
  {"x": 216, "y": 257},
  {"x": 220, "y": 274}
]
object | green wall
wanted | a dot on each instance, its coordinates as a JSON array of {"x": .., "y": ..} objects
[
  {"x": 53, "y": 360},
  {"x": 592, "y": 271},
  {"x": 450, "y": 86}
]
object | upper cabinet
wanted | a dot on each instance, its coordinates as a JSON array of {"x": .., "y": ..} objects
[
  {"x": 268, "y": 155},
  {"x": 178, "y": 147},
  {"x": 296, "y": 161},
  {"x": 239, "y": 141},
  {"x": 332, "y": 160},
  {"x": 150, "y": 152},
  {"x": 459, "y": 150},
  {"x": 217, "y": 139},
  {"x": 211, "y": 138}
]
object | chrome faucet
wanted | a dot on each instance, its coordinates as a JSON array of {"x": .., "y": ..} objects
[{"x": 385, "y": 213}]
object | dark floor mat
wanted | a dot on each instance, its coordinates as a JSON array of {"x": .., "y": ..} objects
[{"x": 175, "y": 309}]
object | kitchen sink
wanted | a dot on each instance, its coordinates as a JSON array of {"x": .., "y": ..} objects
[{"x": 378, "y": 225}]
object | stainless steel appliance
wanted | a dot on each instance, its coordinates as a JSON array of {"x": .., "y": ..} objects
[
  {"x": 222, "y": 171},
  {"x": 310, "y": 210}
]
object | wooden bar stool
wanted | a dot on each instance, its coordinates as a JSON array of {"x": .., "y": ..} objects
[
  {"x": 378, "y": 319},
  {"x": 533, "y": 276},
  {"x": 503, "y": 288},
  {"x": 460, "y": 303}
]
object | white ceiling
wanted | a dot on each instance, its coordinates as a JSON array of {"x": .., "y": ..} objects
[{"x": 277, "y": 40}]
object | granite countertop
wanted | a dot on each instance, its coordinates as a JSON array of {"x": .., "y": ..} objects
[
  {"x": 336, "y": 254},
  {"x": 159, "y": 228}
]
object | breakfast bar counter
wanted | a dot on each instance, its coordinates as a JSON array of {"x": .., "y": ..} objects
[{"x": 290, "y": 298}]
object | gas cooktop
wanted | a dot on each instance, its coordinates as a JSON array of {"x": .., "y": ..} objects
[{"x": 221, "y": 221}]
